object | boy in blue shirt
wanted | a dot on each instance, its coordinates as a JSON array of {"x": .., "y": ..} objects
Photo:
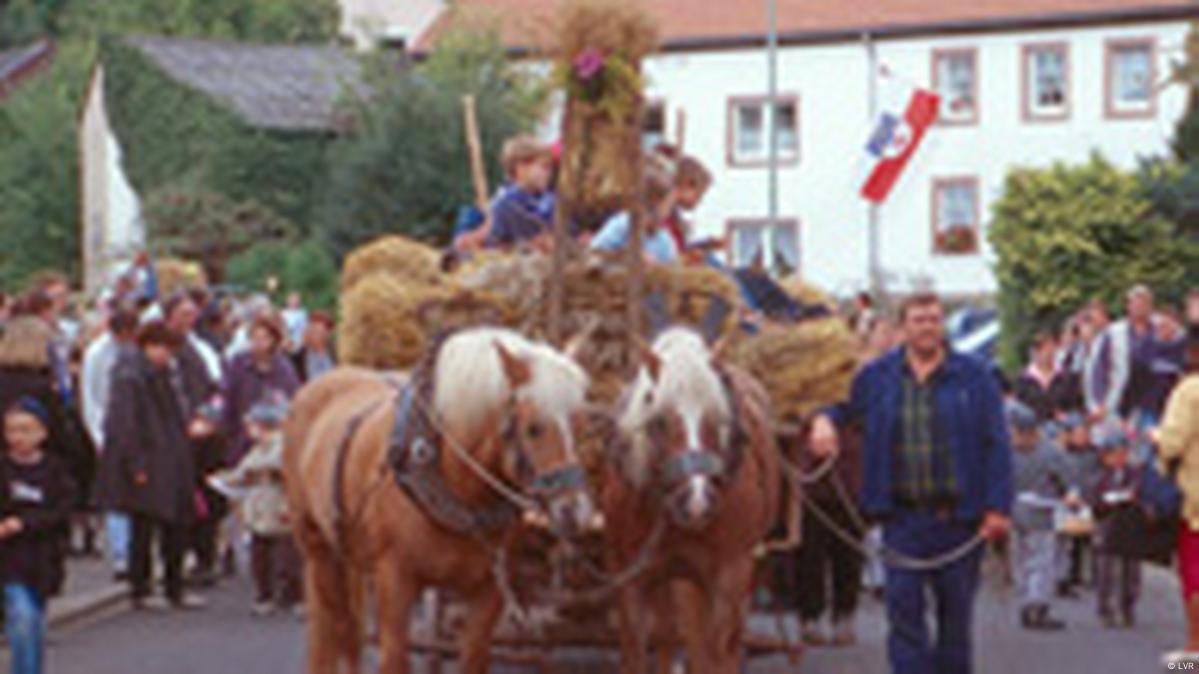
[{"x": 523, "y": 213}]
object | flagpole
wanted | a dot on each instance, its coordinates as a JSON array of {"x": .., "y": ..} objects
[
  {"x": 873, "y": 271},
  {"x": 772, "y": 48}
]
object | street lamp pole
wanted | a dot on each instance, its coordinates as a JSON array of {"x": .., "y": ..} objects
[{"x": 772, "y": 48}]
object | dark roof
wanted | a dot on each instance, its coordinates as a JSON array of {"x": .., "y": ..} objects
[
  {"x": 291, "y": 88},
  {"x": 712, "y": 24},
  {"x": 19, "y": 63}
]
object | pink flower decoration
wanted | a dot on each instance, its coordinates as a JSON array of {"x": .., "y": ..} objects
[{"x": 589, "y": 63}]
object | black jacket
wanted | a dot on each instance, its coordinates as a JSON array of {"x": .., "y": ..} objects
[
  {"x": 145, "y": 432},
  {"x": 68, "y": 438},
  {"x": 41, "y": 496}
]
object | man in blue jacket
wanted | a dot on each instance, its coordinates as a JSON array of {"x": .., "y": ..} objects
[{"x": 936, "y": 473}]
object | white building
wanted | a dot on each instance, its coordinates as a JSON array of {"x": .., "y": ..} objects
[
  {"x": 1024, "y": 83},
  {"x": 372, "y": 23}
]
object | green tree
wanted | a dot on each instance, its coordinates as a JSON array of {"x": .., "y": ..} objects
[
  {"x": 405, "y": 168},
  {"x": 209, "y": 228},
  {"x": 1066, "y": 234},
  {"x": 39, "y": 167},
  {"x": 306, "y": 268}
]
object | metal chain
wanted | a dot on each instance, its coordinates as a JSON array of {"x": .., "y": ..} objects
[{"x": 889, "y": 555}]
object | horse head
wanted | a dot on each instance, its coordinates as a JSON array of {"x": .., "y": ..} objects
[
  {"x": 682, "y": 421},
  {"x": 527, "y": 397}
]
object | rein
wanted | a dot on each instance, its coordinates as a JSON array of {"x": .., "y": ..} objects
[{"x": 889, "y": 555}]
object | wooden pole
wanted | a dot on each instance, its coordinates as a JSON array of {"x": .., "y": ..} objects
[
  {"x": 637, "y": 215},
  {"x": 680, "y": 130},
  {"x": 478, "y": 171}
]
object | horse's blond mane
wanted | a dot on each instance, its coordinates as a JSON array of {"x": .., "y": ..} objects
[
  {"x": 470, "y": 385},
  {"x": 686, "y": 380}
]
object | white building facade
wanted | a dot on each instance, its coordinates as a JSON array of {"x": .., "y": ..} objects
[
  {"x": 1012, "y": 100},
  {"x": 1017, "y": 91}
]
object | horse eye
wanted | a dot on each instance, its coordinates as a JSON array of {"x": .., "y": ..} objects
[{"x": 535, "y": 430}]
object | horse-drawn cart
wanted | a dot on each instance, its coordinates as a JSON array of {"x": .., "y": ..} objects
[{"x": 616, "y": 494}]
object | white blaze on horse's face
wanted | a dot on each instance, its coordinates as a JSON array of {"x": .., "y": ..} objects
[
  {"x": 682, "y": 391},
  {"x": 700, "y": 503}
]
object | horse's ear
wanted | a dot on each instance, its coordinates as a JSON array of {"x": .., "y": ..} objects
[
  {"x": 651, "y": 361},
  {"x": 516, "y": 368}
]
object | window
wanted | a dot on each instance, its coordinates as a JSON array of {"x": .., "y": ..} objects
[
  {"x": 653, "y": 125},
  {"x": 1130, "y": 78},
  {"x": 758, "y": 243},
  {"x": 751, "y": 122},
  {"x": 1046, "y": 82},
  {"x": 955, "y": 78},
  {"x": 955, "y": 216}
]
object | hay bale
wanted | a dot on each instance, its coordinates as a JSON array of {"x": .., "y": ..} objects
[
  {"x": 175, "y": 275},
  {"x": 377, "y": 328},
  {"x": 690, "y": 291},
  {"x": 518, "y": 280},
  {"x": 804, "y": 367},
  {"x": 389, "y": 323},
  {"x": 401, "y": 258},
  {"x": 806, "y": 293}
]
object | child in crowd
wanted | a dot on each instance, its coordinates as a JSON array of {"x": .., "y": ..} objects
[
  {"x": 1041, "y": 477},
  {"x": 523, "y": 214},
  {"x": 36, "y": 494},
  {"x": 1115, "y": 500},
  {"x": 1085, "y": 468},
  {"x": 658, "y": 245},
  {"x": 273, "y": 556}
]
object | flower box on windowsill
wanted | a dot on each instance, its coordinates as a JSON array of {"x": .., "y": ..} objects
[{"x": 957, "y": 240}]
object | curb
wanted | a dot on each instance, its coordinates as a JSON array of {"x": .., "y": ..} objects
[{"x": 72, "y": 608}]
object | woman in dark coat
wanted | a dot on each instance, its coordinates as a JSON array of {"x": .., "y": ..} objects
[
  {"x": 148, "y": 464},
  {"x": 261, "y": 373}
]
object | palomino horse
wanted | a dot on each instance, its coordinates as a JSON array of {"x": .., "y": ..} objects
[
  {"x": 499, "y": 411},
  {"x": 697, "y": 490}
]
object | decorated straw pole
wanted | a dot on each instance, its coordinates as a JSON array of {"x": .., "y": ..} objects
[{"x": 601, "y": 44}]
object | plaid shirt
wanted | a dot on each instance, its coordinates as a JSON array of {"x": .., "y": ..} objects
[{"x": 924, "y": 467}]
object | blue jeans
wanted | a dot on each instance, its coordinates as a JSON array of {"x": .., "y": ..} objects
[
  {"x": 910, "y": 650},
  {"x": 118, "y": 532},
  {"x": 25, "y": 626}
]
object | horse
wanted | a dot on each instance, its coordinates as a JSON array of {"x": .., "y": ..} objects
[
  {"x": 693, "y": 491},
  {"x": 499, "y": 411}
]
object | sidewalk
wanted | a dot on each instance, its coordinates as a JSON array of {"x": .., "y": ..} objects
[{"x": 89, "y": 589}]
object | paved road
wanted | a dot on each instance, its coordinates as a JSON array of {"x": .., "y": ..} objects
[{"x": 224, "y": 639}]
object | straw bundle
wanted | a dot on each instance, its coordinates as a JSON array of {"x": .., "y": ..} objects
[
  {"x": 378, "y": 328},
  {"x": 691, "y": 290},
  {"x": 399, "y": 257},
  {"x": 803, "y": 367},
  {"x": 517, "y": 280},
  {"x": 389, "y": 324},
  {"x": 601, "y": 125},
  {"x": 806, "y": 293}
]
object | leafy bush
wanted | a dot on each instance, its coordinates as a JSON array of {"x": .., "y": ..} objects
[
  {"x": 406, "y": 168},
  {"x": 1067, "y": 234},
  {"x": 209, "y": 228},
  {"x": 306, "y": 268}
]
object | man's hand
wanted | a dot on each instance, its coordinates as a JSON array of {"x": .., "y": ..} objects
[
  {"x": 200, "y": 428},
  {"x": 10, "y": 526},
  {"x": 995, "y": 526},
  {"x": 824, "y": 441}
]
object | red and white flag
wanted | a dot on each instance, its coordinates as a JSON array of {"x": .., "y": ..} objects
[{"x": 903, "y": 119}]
